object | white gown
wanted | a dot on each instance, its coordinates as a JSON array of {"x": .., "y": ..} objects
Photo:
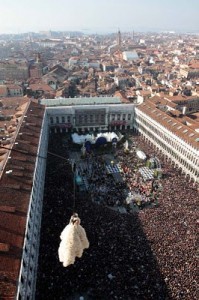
[{"x": 73, "y": 242}]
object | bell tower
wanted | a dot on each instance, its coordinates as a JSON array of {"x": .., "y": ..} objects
[{"x": 119, "y": 39}]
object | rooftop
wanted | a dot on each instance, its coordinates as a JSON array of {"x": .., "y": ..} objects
[
  {"x": 15, "y": 188},
  {"x": 190, "y": 135},
  {"x": 81, "y": 101}
]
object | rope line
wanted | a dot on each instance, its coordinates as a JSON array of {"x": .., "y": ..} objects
[
  {"x": 73, "y": 164},
  {"x": 35, "y": 155}
]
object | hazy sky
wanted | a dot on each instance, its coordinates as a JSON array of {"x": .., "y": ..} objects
[{"x": 98, "y": 15}]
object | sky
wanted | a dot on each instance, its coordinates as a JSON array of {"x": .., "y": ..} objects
[{"x": 98, "y": 16}]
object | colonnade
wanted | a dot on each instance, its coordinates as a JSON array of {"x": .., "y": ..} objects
[{"x": 182, "y": 154}]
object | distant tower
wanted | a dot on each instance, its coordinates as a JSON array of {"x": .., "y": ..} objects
[
  {"x": 119, "y": 39},
  {"x": 36, "y": 69},
  {"x": 38, "y": 58}
]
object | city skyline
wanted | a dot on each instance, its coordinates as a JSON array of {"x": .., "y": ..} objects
[
  {"x": 114, "y": 89},
  {"x": 98, "y": 17}
]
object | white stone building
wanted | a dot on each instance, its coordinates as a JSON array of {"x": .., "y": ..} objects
[
  {"x": 176, "y": 141},
  {"x": 89, "y": 114}
]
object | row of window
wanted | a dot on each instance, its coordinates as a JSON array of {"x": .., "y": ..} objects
[
  {"x": 120, "y": 117},
  {"x": 90, "y": 118},
  {"x": 169, "y": 149},
  {"x": 62, "y": 120},
  {"x": 90, "y": 128},
  {"x": 30, "y": 249}
]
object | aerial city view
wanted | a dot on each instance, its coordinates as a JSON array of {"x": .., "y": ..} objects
[{"x": 99, "y": 150}]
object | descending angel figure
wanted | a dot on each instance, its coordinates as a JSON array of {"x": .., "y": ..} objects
[
  {"x": 126, "y": 146},
  {"x": 83, "y": 149},
  {"x": 73, "y": 241}
]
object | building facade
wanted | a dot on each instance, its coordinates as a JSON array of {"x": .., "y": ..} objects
[
  {"x": 21, "y": 198},
  {"x": 12, "y": 70},
  {"x": 188, "y": 105},
  {"x": 28, "y": 269},
  {"x": 88, "y": 114},
  {"x": 184, "y": 155}
]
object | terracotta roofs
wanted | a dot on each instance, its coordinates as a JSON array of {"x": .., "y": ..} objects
[
  {"x": 162, "y": 100},
  {"x": 11, "y": 112},
  {"x": 13, "y": 86},
  {"x": 40, "y": 87},
  {"x": 180, "y": 98},
  {"x": 122, "y": 96},
  {"x": 174, "y": 125},
  {"x": 194, "y": 65},
  {"x": 3, "y": 90},
  {"x": 15, "y": 189}
]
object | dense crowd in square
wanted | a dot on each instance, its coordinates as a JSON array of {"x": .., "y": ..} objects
[{"x": 149, "y": 254}]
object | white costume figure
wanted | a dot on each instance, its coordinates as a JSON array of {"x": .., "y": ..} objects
[
  {"x": 83, "y": 149},
  {"x": 126, "y": 146},
  {"x": 73, "y": 241}
]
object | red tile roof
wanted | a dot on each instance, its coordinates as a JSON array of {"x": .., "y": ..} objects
[
  {"x": 40, "y": 87},
  {"x": 15, "y": 191},
  {"x": 173, "y": 124}
]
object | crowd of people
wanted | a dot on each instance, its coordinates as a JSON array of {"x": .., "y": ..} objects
[
  {"x": 117, "y": 181},
  {"x": 102, "y": 187},
  {"x": 142, "y": 192},
  {"x": 149, "y": 254}
]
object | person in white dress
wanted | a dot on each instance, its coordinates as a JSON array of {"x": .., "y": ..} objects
[{"x": 73, "y": 241}]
